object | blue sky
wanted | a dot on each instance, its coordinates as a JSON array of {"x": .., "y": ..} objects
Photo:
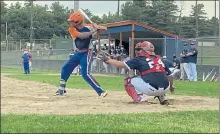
[{"x": 103, "y": 7}]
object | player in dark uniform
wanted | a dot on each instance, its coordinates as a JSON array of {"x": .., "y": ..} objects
[{"x": 153, "y": 79}]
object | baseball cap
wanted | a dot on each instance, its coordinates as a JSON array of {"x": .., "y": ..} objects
[
  {"x": 164, "y": 57},
  {"x": 192, "y": 43},
  {"x": 185, "y": 44}
]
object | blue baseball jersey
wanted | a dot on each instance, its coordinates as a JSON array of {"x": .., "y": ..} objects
[
  {"x": 185, "y": 58},
  {"x": 176, "y": 63},
  {"x": 193, "y": 58},
  {"x": 81, "y": 44},
  {"x": 25, "y": 57},
  {"x": 168, "y": 63},
  {"x": 155, "y": 79}
]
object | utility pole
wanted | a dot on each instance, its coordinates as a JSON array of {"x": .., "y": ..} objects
[
  {"x": 196, "y": 15},
  {"x": 180, "y": 16},
  {"x": 215, "y": 23},
  {"x": 31, "y": 28},
  {"x": 118, "y": 7},
  {"x": 76, "y": 5},
  {"x": 6, "y": 30},
  {"x": 219, "y": 43}
]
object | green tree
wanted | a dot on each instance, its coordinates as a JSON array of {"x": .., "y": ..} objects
[
  {"x": 3, "y": 22},
  {"x": 163, "y": 15},
  {"x": 199, "y": 10},
  {"x": 131, "y": 11}
]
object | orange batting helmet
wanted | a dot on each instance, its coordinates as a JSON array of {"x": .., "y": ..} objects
[{"x": 76, "y": 18}]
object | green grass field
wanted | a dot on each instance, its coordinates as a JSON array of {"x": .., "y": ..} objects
[
  {"x": 112, "y": 83},
  {"x": 167, "y": 122}
]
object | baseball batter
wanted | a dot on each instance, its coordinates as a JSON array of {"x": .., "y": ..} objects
[
  {"x": 153, "y": 79},
  {"x": 82, "y": 34}
]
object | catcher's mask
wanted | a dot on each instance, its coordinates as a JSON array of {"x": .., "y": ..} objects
[
  {"x": 76, "y": 18},
  {"x": 144, "y": 48}
]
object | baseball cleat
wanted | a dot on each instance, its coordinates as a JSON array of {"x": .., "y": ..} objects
[
  {"x": 166, "y": 102},
  {"x": 60, "y": 92},
  {"x": 104, "y": 94},
  {"x": 141, "y": 98}
]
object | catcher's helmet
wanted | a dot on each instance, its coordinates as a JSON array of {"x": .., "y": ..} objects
[
  {"x": 144, "y": 48},
  {"x": 76, "y": 18}
]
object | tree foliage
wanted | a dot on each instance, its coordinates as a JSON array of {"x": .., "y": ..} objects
[{"x": 49, "y": 22}]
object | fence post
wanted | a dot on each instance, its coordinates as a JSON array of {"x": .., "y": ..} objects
[
  {"x": 201, "y": 57},
  {"x": 130, "y": 71},
  {"x": 20, "y": 45},
  {"x": 6, "y": 45},
  {"x": 129, "y": 47},
  {"x": 177, "y": 45},
  {"x": 50, "y": 42},
  {"x": 165, "y": 45}
]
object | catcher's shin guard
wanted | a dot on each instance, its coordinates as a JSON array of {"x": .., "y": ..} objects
[{"x": 131, "y": 90}]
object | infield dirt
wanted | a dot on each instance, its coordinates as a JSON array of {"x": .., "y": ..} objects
[{"x": 29, "y": 97}]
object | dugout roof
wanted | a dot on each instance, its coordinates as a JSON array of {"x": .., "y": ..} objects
[
  {"x": 123, "y": 30},
  {"x": 140, "y": 30}
]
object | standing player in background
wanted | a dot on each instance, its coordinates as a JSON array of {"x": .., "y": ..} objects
[
  {"x": 184, "y": 63},
  {"x": 82, "y": 35},
  {"x": 105, "y": 49},
  {"x": 30, "y": 59},
  {"x": 192, "y": 57},
  {"x": 153, "y": 80},
  {"x": 25, "y": 58}
]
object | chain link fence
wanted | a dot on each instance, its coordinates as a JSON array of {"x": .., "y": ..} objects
[
  {"x": 52, "y": 54},
  {"x": 49, "y": 55},
  {"x": 208, "y": 58}
]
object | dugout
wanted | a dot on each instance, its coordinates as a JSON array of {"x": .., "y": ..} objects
[{"x": 165, "y": 43}]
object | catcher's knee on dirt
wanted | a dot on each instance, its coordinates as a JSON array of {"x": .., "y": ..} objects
[{"x": 131, "y": 90}]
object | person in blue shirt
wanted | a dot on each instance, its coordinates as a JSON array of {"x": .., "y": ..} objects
[
  {"x": 192, "y": 58},
  {"x": 25, "y": 58}
]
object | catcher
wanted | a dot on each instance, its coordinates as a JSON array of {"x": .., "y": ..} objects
[
  {"x": 81, "y": 34},
  {"x": 153, "y": 79}
]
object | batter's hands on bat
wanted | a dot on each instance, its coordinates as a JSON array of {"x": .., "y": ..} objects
[
  {"x": 98, "y": 27},
  {"x": 95, "y": 26}
]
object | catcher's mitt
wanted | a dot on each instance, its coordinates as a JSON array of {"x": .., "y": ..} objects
[{"x": 103, "y": 56}]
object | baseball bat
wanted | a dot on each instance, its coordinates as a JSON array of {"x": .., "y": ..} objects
[{"x": 85, "y": 15}]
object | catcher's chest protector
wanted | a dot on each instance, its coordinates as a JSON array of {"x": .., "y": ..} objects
[
  {"x": 131, "y": 90},
  {"x": 156, "y": 65}
]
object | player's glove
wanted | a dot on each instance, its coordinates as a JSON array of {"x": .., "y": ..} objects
[{"x": 103, "y": 56}]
